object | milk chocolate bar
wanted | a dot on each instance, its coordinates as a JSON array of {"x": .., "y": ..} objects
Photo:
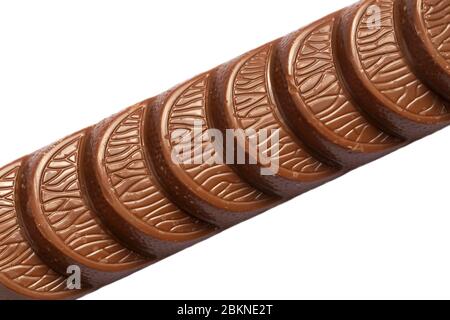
[{"x": 223, "y": 147}]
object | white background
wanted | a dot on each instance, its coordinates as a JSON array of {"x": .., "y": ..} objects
[{"x": 382, "y": 231}]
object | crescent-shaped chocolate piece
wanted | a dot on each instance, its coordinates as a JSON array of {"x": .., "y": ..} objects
[
  {"x": 314, "y": 97},
  {"x": 57, "y": 216},
  {"x": 425, "y": 27},
  {"x": 243, "y": 99},
  {"x": 180, "y": 120},
  {"x": 23, "y": 275},
  {"x": 380, "y": 78},
  {"x": 127, "y": 195}
]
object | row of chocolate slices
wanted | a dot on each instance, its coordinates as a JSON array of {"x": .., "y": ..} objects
[{"x": 160, "y": 176}]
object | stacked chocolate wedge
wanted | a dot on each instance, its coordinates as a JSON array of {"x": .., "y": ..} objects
[{"x": 160, "y": 176}]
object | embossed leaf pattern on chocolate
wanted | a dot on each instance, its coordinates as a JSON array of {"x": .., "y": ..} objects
[
  {"x": 67, "y": 213},
  {"x": 218, "y": 179},
  {"x": 315, "y": 73},
  {"x": 133, "y": 183},
  {"x": 436, "y": 14},
  {"x": 385, "y": 66},
  {"x": 255, "y": 109},
  {"x": 18, "y": 262},
  {"x": 320, "y": 88}
]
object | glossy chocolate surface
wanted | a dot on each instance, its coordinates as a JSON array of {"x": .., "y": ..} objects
[
  {"x": 212, "y": 192},
  {"x": 159, "y": 176},
  {"x": 326, "y": 116},
  {"x": 425, "y": 28},
  {"x": 243, "y": 98},
  {"x": 379, "y": 75},
  {"x": 23, "y": 275},
  {"x": 59, "y": 219},
  {"x": 127, "y": 194}
]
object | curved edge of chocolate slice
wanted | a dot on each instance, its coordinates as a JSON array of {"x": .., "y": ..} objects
[
  {"x": 23, "y": 275},
  {"x": 59, "y": 221},
  {"x": 126, "y": 194},
  {"x": 315, "y": 101},
  {"x": 378, "y": 74},
  {"x": 243, "y": 101},
  {"x": 425, "y": 27},
  {"x": 188, "y": 163}
]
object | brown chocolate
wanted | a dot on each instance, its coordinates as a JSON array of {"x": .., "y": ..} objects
[
  {"x": 379, "y": 75},
  {"x": 126, "y": 194},
  {"x": 243, "y": 98},
  {"x": 427, "y": 38},
  {"x": 59, "y": 221},
  {"x": 23, "y": 275},
  {"x": 160, "y": 176},
  {"x": 212, "y": 192},
  {"x": 314, "y": 97}
]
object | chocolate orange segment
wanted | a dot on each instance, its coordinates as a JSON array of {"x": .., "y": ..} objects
[
  {"x": 245, "y": 100},
  {"x": 127, "y": 194},
  {"x": 435, "y": 15},
  {"x": 317, "y": 103},
  {"x": 59, "y": 217},
  {"x": 23, "y": 275},
  {"x": 206, "y": 187},
  {"x": 426, "y": 29},
  {"x": 380, "y": 76}
]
